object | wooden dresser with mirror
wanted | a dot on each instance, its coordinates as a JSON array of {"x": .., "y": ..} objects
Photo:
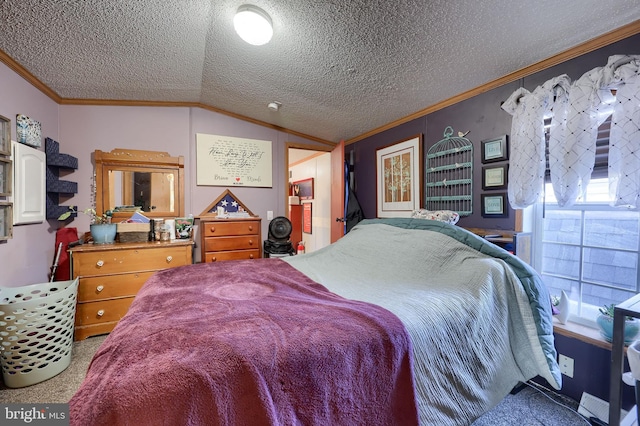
[{"x": 111, "y": 274}]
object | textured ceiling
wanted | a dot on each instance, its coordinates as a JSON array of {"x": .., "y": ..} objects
[{"x": 339, "y": 68}]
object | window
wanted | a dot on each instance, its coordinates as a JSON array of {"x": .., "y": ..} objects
[{"x": 590, "y": 251}]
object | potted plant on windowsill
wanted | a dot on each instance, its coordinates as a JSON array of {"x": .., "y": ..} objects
[
  {"x": 102, "y": 230},
  {"x": 605, "y": 323}
]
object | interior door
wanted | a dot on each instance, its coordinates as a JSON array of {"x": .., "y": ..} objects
[{"x": 337, "y": 192}]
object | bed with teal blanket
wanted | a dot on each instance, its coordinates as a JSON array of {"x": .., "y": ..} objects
[
  {"x": 479, "y": 318},
  {"x": 402, "y": 321}
]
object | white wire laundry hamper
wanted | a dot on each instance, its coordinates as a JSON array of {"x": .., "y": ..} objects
[
  {"x": 449, "y": 176},
  {"x": 36, "y": 331}
]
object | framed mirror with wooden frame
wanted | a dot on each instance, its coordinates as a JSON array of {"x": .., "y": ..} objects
[{"x": 150, "y": 182}]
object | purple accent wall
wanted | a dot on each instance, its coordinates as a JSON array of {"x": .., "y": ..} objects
[
  {"x": 365, "y": 161},
  {"x": 483, "y": 118}
]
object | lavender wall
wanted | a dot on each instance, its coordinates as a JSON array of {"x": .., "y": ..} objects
[
  {"x": 80, "y": 130},
  {"x": 84, "y": 129},
  {"x": 26, "y": 258},
  {"x": 258, "y": 200}
]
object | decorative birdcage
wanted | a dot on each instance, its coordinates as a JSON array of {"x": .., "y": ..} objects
[{"x": 449, "y": 174}]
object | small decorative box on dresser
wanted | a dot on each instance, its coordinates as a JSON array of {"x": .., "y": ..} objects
[
  {"x": 230, "y": 239},
  {"x": 111, "y": 275}
]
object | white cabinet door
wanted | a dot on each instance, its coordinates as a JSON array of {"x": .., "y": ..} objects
[{"x": 29, "y": 184}]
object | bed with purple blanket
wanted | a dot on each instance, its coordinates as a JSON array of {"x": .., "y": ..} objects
[{"x": 402, "y": 321}]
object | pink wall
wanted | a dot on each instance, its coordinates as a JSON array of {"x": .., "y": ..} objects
[{"x": 80, "y": 130}]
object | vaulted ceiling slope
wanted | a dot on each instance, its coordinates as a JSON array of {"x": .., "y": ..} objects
[{"x": 340, "y": 69}]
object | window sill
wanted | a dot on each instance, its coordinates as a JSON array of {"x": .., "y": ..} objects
[{"x": 581, "y": 332}]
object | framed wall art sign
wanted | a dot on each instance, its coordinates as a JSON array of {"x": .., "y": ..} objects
[
  {"x": 494, "y": 177},
  {"x": 399, "y": 178},
  {"x": 307, "y": 218},
  {"x": 494, "y": 205},
  {"x": 229, "y": 161},
  {"x": 495, "y": 149}
]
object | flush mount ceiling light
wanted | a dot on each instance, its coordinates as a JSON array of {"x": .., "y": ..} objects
[{"x": 253, "y": 25}]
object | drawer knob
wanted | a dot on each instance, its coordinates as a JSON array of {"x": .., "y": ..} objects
[
  {"x": 250, "y": 242},
  {"x": 101, "y": 312},
  {"x": 99, "y": 288},
  {"x": 251, "y": 256},
  {"x": 100, "y": 263},
  {"x": 250, "y": 228},
  {"x": 169, "y": 259},
  {"x": 213, "y": 259},
  {"x": 212, "y": 229}
]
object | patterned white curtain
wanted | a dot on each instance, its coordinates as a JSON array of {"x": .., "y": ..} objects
[
  {"x": 558, "y": 127},
  {"x": 527, "y": 162},
  {"x": 624, "y": 139},
  {"x": 571, "y": 172},
  {"x": 577, "y": 110},
  {"x": 525, "y": 152}
]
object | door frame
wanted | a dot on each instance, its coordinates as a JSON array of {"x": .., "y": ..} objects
[{"x": 296, "y": 145}]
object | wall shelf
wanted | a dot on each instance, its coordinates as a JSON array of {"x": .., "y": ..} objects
[{"x": 55, "y": 162}]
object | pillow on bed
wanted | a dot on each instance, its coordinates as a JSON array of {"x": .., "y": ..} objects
[{"x": 447, "y": 216}]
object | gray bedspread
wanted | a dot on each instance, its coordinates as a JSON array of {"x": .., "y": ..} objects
[{"x": 479, "y": 318}]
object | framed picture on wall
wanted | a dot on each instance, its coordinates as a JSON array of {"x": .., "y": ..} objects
[
  {"x": 303, "y": 189},
  {"x": 494, "y": 205},
  {"x": 6, "y": 221},
  {"x": 5, "y": 136},
  {"x": 399, "y": 178},
  {"x": 5, "y": 177},
  {"x": 494, "y": 177},
  {"x": 306, "y": 218},
  {"x": 495, "y": 149}
]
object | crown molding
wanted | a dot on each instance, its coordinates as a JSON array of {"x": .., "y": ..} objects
[
  {"x": 586, "y": 47},
  {"x": 34, "y": 81}
]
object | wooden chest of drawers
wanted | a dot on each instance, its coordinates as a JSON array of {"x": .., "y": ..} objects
[
  {"x": 111, "y": 275},
  {"x": 230, "y": 239}
]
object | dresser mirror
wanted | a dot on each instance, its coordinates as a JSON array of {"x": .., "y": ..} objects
[{"x": 130, "y": 180}]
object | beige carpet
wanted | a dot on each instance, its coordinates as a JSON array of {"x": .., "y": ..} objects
[{"x": 60, "y": 388}]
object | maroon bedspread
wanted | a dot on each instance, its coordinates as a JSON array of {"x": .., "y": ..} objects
[{"x": 248, "y": 343}]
